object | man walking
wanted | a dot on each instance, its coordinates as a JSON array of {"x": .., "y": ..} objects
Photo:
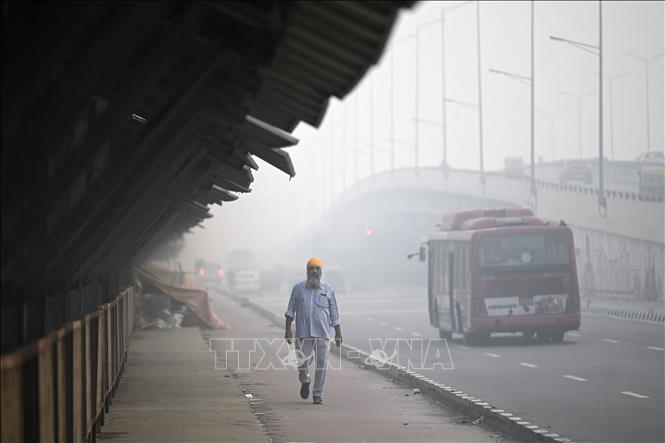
[{"x": 313, "y": 305}]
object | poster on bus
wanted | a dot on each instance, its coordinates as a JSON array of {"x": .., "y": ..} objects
[{"x": 526, "y": 305}]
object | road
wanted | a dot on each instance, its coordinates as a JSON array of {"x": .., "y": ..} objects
[{"x": 603, "y": 383}]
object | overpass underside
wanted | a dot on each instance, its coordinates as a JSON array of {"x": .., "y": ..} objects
[{"x": 123, "y": 122}]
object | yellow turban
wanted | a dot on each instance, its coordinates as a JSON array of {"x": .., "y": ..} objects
[{"x": 315, "y": 262}]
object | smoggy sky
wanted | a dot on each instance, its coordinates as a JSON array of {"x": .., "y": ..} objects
[{"x": 326, "y": 158}]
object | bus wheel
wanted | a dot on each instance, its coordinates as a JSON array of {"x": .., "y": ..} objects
[
  {"x": 557, "y": 336},
  {"x": 447, "y": 335},
  {"x": 543, "y": 336}
]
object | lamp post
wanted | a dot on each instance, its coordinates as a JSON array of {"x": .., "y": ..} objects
[
  {"x": 579, "y": 99},
  {"x": 596, "y": 50},
  {"x": 480, "y": 97},
  {"x": 610, "y": 79},
  {"x": 528, "y": 81},
  {"x": 443, "y": 83},
  {"x": 646, "y": 61},
  {"x": 417, "y": 86}
]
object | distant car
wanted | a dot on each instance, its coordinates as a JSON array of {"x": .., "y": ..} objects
[
  {"x": 209, "y": 274},
  {"x": 514, "y": 166},
  {"x": 575, "y": 170},
  {"x": 652, "y": 179},
  {"x": 243, "y": 272},
  {"x": 652, "y": 157}
]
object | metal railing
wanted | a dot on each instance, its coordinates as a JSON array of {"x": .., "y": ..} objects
[{"x": 58, "y": 388}]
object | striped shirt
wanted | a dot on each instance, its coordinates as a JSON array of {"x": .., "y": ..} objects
[{"x": 315, "y": 310}]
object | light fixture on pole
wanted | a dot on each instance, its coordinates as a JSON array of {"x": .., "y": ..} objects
[
  {"x": 610, "y": 79},
  {"x": 598, "y": 51},
  {"x": 579, "y": 99},
  {"x": 443, "y": 83},
  {"x": 646, "y": 61},
  {"x": 527, "y": 81}
]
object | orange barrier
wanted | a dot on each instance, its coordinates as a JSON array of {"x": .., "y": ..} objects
[
  {"x": 67, "y": 378},
  {"x": 196, "y": 300}
]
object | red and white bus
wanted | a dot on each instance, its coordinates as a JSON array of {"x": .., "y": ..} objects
[{"x": 502, "y": 270}]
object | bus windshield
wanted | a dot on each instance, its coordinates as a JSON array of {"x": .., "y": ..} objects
[{"x": 523, "y": 249}]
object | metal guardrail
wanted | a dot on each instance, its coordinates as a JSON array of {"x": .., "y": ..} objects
[
  {"x": 64, "y": 381},
  {"x": 630, "y": 314}
]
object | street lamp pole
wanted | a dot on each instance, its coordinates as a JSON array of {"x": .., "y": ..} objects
[
  {"x": 601, "y": 161},
  {"x": 443, "y": 83},
  {"x": 596, "y": 50},
  {"x": 371, "y": 122},
  {"x": 646, "y": 61},
  {"x": 533, "y": 125},
  {"x": 610, "y": 79},
  {"x": 355, "y": 135},
  {"x": 480, "y": 97},
  {"x": 443, "y": 92},
  {"x": 417, "y": 97},
  {"x": 579, "y": 99},
  {"x": 392, "y": 110}
]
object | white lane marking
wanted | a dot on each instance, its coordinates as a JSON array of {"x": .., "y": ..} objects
[
  {"x": 383, "y": 323},
  {"x": 609, "y": 340},
  {"x": 397, "y": 328},
  {"x": 529, "y": 365},
  {"x": 633, "y": 394},
  {"x": 462, "y": 347},
  {"x": 489, "y": 354},
  {"x": 416, "y": 334},
  {"x": 572, "y": 377},
  {"x": 370, "y": 319},
  {"x": 655, "y": 348},
  {"x": 573, "y": 334}
]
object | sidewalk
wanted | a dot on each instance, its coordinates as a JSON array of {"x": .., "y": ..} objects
[
  {"x": 360, "y": 405},
  {"x": 170, "y": 393}
]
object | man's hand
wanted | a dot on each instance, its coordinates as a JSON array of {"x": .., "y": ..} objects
[
  {"x": 338, "y": 336},
  {"x": 287, "y": 334}
]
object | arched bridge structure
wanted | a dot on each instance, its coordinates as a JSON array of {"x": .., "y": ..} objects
[{"x": 371, "y": 227}]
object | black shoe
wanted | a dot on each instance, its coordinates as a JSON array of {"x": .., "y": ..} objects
[
  {"x": 317, "y": 401},
  {"x": 304, "y": 391}
]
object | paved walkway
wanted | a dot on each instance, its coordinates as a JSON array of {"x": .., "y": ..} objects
[
  {"x": 172, "y": 392},
  {"x": 360, "y": 405}
]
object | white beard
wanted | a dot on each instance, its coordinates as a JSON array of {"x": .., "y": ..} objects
[{"x": 314, "y": 282}]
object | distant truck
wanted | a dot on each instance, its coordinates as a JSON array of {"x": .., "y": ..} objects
[
  {"x": 652, "y": 179},
  {"x": 243, "y": 272},
  {"x": 514, "y": 166},
  {"x": 209, "y": 274}
]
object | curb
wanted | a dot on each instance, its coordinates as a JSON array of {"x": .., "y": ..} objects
[
  {"x": 495, "y": 418},
  {"x": 629, "y": 314}
]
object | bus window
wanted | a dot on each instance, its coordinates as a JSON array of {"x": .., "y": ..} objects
[{"x": 523, "y": 249}]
